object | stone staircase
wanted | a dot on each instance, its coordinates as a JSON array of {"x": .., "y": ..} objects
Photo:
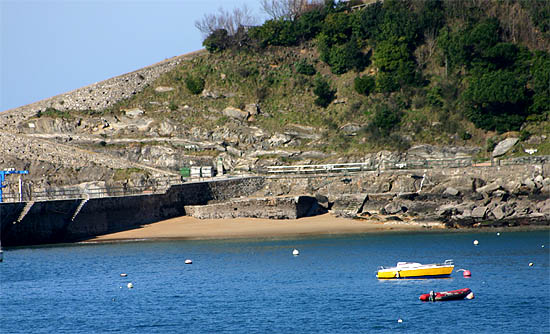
[
  {"x": 80, "y": 206},
  {"x": 26, "y": 210}
]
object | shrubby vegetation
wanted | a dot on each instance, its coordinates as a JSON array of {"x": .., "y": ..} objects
[
  {"x": 469, "y": 64},
  {"x": 325, "y": 94},
  {"x": 195, "y": 84},
  {"x": 364, "y": 84},
  {"x": 303, "y": 67}
]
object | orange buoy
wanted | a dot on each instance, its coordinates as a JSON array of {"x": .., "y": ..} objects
[{"x": 467, "y": 273}]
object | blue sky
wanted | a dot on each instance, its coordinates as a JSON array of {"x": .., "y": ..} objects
[{"x": 49, "y": 47}]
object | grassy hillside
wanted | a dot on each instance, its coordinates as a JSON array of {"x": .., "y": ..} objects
[{"x": 389, "y": 76}]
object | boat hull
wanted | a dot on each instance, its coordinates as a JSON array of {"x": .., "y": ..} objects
[
  {"x": 445, "y": 295},
  {"x": 436, "y": 272}
]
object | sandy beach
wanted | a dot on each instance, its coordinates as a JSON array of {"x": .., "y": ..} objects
[{"x": 193, "y": 228}]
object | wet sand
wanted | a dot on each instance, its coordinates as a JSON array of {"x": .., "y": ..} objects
[{"x": 193, "y": 228}]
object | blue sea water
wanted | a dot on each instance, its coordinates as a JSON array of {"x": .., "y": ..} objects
[{"x": 258, "y": 286}]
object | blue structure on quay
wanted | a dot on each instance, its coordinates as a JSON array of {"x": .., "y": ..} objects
[{"x": 3, "y": 174}]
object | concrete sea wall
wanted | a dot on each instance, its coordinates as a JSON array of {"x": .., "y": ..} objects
[{"x": 77, "y": 219}]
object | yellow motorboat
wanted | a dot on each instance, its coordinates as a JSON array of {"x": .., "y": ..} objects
[{"x": 416, "y": 270}]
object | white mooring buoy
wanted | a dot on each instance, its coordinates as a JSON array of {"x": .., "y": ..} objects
[
  {"x": 476, "y": 242},
  {"x": 295, "y": 252},
  {"x": 130, "y": 285},
  {"x": 399, "y": 320}
]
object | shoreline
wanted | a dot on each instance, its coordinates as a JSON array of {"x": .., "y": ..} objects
[{"x": 190, "y": 228}]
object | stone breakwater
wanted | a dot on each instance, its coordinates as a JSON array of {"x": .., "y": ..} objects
[{"x": 100, "y": 95}]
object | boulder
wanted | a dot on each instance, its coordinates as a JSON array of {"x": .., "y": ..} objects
[
  {"x": 210, "y": 94},
  {"x": 530, "y": 184},
  {"x": 479, "y": 212},
  {"x": 499, "y": 212},
  {"x": 163, "y": 89},
  {"x": 236, "y": 113},
  {"x": 512, "y": 186},
  {"x": 252, "y": 109},
  {"x": 488, "y": 189},
  {"x": 279, "y": 139},
  {"x": 166, "y": 128},
  {"x": 134, "y": 112},
  {"x": 323, "y": 201},
  {"x": 544, "y": 207},
  {"x": 393, "y": 208},
  {"x": 350, "y": 128},
  {"x": 233, "y": 151},
  {"x": 450, "y": 191},
  {"x": 504, "y": 146},
  {"x": 477, "y": 183},
  {"x": 446, "y": 210}
]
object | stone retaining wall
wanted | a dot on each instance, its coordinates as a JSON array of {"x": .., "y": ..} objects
[{"x": 291, "y": 207}]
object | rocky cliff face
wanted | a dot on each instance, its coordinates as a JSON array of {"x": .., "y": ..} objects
[{"x": 459, "y": 197}]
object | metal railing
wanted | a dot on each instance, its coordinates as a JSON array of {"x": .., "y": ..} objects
[
  {"x": 404, "y": 165},
  {"x": 158, "y": 187}
]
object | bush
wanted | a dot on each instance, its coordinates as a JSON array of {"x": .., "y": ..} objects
[
  {"x": 465, "y": 135},
  {"x": 496, "y": 101},
  {"x": 217, "y": 41},
  {"x": 491, "y": 144},
  {"x": 364, "y": 84},
  {"x": 194, "y": 84},
  {"x": 173, "y": 106},
  {"x": 386, "y": 118},
  {"x": 524, "y": 135},
  {"x": 386, "y": 83},
  {"x": 540, "y": 77},
  {"x": 345, "y": 57},
  {"x": 310, "y": 24},
  {"x": 366, "y": 23},
  {"x": 275, "y": 32},
  {"x": 325, "y": 95},
  {"x": 434, "y": 96},
  {"x": 397, "y": 68},
  {"x": 303, "y": 67}
]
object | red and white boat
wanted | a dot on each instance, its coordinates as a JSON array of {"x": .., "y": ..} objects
[{"x": 447, "y": 295}]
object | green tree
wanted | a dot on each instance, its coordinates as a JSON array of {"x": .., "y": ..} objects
[
  {"x": 275, "y": 32},
  {"x": 345, "y": 57},
  {"x": 366, "y": 23},
  {"x": 325, "y": 94},
  {"x": 386, "y": 118},
  {"x": 364, "y": 84},
  {"x": 399, "y": 22},
  {"x": 540, "y": 83},
  {"x": 496, "y": 100},
  {"x": 217, "y": 41},
  {"x": 303, "y": 67},
  {"x": 310, "y": 23},
  {"x": 395, "y": 63}
]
